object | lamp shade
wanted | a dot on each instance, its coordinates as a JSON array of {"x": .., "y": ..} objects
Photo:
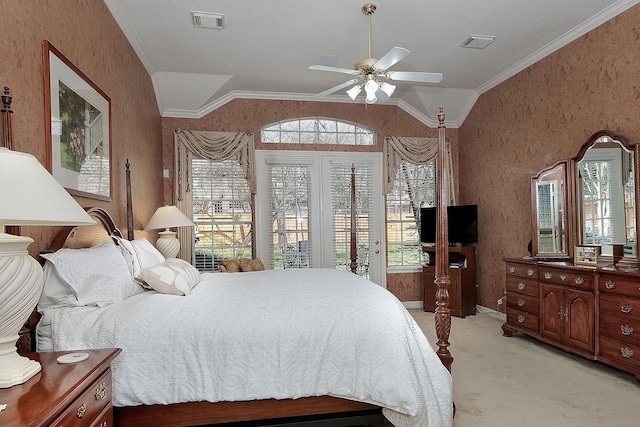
[
  {"x": 167, "y": 217},
  {"x": 30, "y": 195}
]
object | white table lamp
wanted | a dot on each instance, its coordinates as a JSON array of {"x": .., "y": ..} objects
[
  {"x": 30, "y": 196},
  {"x": 167, "y": 217}
]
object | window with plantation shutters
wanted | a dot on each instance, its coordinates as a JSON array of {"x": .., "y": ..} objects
[
  {"x": 221, "y": 212},
  {"x": 414, "y": 187}
]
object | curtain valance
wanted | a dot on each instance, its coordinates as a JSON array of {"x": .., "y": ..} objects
[{"x": 413, "y": 150}]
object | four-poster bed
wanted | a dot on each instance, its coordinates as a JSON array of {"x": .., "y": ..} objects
[{"x": 199, "y": 412}]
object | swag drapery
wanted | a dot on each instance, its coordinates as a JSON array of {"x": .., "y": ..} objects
[
  {"x": 417, "y": 151},
  {"x": 214, "y": 146}
]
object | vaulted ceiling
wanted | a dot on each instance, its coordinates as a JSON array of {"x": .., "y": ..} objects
[{"x": 265, "y": 47}]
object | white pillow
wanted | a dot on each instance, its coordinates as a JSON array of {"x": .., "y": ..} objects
[
  {"x": 56, "y": 291},
  {"x": 96, "y": 276},
  {"x": 174, "y": 276},
  {"x": 140, "y": 254}
]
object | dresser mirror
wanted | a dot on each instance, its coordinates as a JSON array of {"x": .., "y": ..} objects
[
  {"x": 549, "y": 199},
  {"x": 606, "y": 190}
]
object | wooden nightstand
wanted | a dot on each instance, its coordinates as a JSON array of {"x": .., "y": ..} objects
[{"x": 75, "y": 394}]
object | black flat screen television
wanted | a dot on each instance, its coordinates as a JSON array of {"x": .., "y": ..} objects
[{"x": 462, "y": 229}]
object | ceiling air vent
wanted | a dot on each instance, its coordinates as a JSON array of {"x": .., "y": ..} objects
[
  {"x": 478, "y": 42},
  {"x": 208, "y": 20}
]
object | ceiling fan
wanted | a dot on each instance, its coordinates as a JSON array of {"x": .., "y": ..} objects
[{"x": 372, "y": 73}]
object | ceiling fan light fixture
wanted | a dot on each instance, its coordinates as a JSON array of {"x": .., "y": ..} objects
[
  {"x": 354, "y": 91},
  {"x": 371, "y": 87},
  {"x": 387, "y": 88}
]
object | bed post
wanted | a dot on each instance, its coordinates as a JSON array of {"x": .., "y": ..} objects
[
  {"x": 7, "y": 138},
  {"x": 354, "y": 223},
  {"x": 442, "y": 280},
  {"x": 127, "y": 166}
]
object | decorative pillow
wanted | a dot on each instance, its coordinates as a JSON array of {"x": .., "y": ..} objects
[
  {"x": 247, "y": 264},
  {"x": 229, "y": 266},
  {"x": 174, "y": 276},
  {"x": 140, "y": 254},
  {"x": 96, "y": 276}
]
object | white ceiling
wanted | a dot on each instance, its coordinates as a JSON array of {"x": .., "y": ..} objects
[{"x": 267, "y": 46}]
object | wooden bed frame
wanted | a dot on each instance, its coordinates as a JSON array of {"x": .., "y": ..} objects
[{"x": 202, "y": 413}]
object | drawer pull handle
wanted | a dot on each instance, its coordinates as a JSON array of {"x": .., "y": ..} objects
[
  {"x": 520, "y": 302},
  {"x": 547, "y": 275},
  {"x": 579, "y": 280},
  {"x": 521, "y": 318},
  {"x": 563, "y": 277},
  {"x": 626, "y": 352},
  {"x": 81, "y": 410},
  {"x": 101, "y": 391},
  {"x": 512, "y": 270},
  {"x": 626, "y": 330},
  {"x": 626, "y": 308},
  {"x": 529, "y": 272},
  {"x": 521, "y": 286},
  {"x": 610, "y": 284}
]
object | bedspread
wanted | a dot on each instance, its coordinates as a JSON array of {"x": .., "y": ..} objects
[{"x": 269, "y": 334}]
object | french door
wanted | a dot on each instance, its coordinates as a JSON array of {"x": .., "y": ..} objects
[{"x": 303, "y": 210}]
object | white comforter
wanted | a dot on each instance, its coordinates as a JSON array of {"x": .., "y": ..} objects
[{"x": 270, "y": 334}]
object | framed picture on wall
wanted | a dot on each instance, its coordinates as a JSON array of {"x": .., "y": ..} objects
[{"x": 78, "y": 128}]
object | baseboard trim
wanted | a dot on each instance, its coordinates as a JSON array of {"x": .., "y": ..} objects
[
  {"x": 491, "y": 312},
  {"x": 412, "y": 305}
]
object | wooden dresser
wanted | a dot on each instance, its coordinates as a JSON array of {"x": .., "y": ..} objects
[
  {"x": 65, "y": 395},
  {"x": 593, "y": 312}
]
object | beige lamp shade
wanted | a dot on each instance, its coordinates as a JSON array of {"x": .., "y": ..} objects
[
  {"x": 29, "y": 195},
  {"x": 167, "y": 217}
]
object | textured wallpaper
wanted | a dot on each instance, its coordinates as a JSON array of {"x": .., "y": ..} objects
[
  {"x": 88, "y": 36},
  {"x": 543, "y": 114}
]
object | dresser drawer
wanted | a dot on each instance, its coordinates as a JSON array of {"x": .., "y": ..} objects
[
  {"x": 568, "y": 278},
  {"x": 523, "y": 286},
  {"x": 523, "y": 320},
  {"x": 525, "y": 271},
  {"x": 86, "y": 408},
  {"x": 620, "y": 352},
  {"x": 617, "y": 305},
  {"x": 621, "y": 329},
  {"x": 522, "y": 302},
  {"x": 617, "y": 285}
]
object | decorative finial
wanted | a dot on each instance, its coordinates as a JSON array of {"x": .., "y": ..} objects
[{"x": 441, "y": 117}]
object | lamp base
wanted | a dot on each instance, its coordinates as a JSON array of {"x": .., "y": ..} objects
[
  {"x": 14, "y": 369},
  {"x": 21, "y": 282},
  {"x": 168, "y": 244}
]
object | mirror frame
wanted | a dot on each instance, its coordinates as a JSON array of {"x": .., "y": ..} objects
[
  {"x": 562, "y": 168},
  {"x": 576, "y": 190}
]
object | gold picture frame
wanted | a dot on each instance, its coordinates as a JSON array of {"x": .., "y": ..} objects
[{"x": 586, "y": 255}]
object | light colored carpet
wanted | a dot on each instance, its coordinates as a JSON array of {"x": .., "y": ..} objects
[{"x": 518, "y": 381}]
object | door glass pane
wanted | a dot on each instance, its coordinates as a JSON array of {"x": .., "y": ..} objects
[
  {"x": 289, "y": 201},
  {"x": 341, "y": 176}
]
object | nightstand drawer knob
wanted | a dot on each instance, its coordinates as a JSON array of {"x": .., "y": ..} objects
[
  {"x": 626, "y": 352},
  {"x": 521, "y": 286},
  {"x": 626, "y": 330},
  {"x": 81, "y": 410},
  {"x": 626, "y": 308},
  {"x": 529, "y": 272},
  {"x": 101, "y": 391},
  {"x": 521, "y": 302},
  {"x": 521, "y": 318},
  {"x": 610, "y": 284},
  {"x": 512, "y": 270}
]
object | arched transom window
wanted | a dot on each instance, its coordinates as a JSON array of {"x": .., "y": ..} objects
[{"x": 317, "y": 131}]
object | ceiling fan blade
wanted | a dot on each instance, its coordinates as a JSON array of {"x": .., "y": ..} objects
[
  {"x": 334, "y": 69},
  {"x": 415, "y": 76},
  {"x": 336, "y": 88},
  {"x": 391, "y": 57}
]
